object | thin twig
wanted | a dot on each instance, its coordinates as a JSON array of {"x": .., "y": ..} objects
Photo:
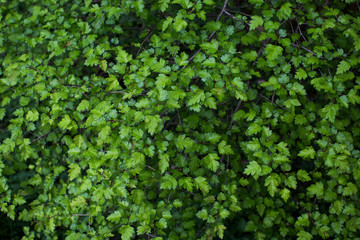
[
  {"x": 118, "y": 92},
  {"x": 142, "y": 43},
  {"x": 212, "y": 34},
  {"x": 298, "y": 27},
  {"x": 274, "y": 103},
  {"x": 97, "y": 24},
  {"x": 151, "y": 168},
  {"x": 242, "y": 13},
  {"x": 265, "y": 42},
  {"x": 222, "y": 10},
  {"x": 232, "y": 16},
  {"x": 304, "y": 48},
  {"x": 169, "y": 195},
  {"x": 84, "y": 215},
  {"x": 329, "y": 72},
  {"x": 178, "y": 113},
  {"x": 193, "y": 194},
  {"x": 40, "y": 137},
  {"x": 236, "y": 109}
]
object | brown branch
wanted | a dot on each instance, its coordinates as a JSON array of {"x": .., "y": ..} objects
[
  {"x": 40, "y": 137},
  {"x": 294, "y": 45},
  {"x": 222, "y": 10},
  {"x": 265, "y": 42},
  {"x": 236, "y": 109},
  {"x": 84, "y": 215},
  {"x": 96, "y": 24},
  {"x": 142, "y": 43},
  {"x": 274, "y": 103},
  {"x": 193, "y": 194},
  {"x": 212, "y": 34},
  {"x": 232, "y": 16}
]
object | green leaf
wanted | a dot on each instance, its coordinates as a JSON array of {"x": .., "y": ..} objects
[
  {"x": 302, "y": 235},
  {"x": 78, "y": 202},
  {"x": 285, "y": 194},
  {"x": 123, "y": 56},
  {"x": 65, "y": 122},
  {"x": 291, "y": 182},
  {"x": 273, "y": 52},
  {"x": 285, "y": 11},
  {"x": 253, "y": 169},
  {"x": 211, "y": 161},
  {"x": 202, "y": 184},
  {"x": 162, "y": 223},
  {"x": 84, "y": 105},
  {"x": 197, "y": 96},
  {"x": 115, "y": 216},
  {"x": 104, "y": 133},
  {"x": 272, "y": 182},
  {"x": 152, "y": 123},
  {"x": 182, "y": 60},
  {"x": 308, "y": 152},
  {"x": 255, "y": 22},
  {"x": 166, "y": 23},
  {"x": 179, "y": 24},
  {"x": 301, "y": 74},
  {"x": 18, "y": 200},
  {"x": 303, "y": 220},
  {"x": 343, "y": 67},
  {"x": 210, "y": 47},
  {"x": 303, "y": 176},
  {"x": 164, "y": 162},
  {"x": 256, "y": 2},
  {"x": 103, "y": 65},
  {"x": 225, "y": 149},
  {"x": 164, "y": 4},
  {"x": 168, "y": 182},
  {"x": 74, "y": 171},
  {"x": 202, "y": 214},
  {"x": 316, "y": 189},
  {"x": 186, "y": 182},
  {"x": 330, "y": 111},
  {"x": 143, "y": 230},
  {"x": 350, "y": 189},
  {"x": 183, "y": 142},
  {"x": 223, "y": 213},
  {"x": 127, "y": 232},
  {"x": 31, "y": 116}
]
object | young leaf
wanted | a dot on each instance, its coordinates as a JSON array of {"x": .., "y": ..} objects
[
  {"x": 255, "y": 22},
  {"x": 126, "y": 232},
  {"x": 253, "y": 169},
  {"x": 74, "y": 171},
  {"x": 115, "y": 216}
]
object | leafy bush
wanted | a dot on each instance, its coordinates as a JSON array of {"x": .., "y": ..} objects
[{"x": 180, "y": 119}]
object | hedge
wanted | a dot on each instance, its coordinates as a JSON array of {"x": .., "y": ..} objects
[{"x": 180, "y": 119}]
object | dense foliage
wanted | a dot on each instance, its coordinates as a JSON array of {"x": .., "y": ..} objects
[{"x": 180, "y": 119}]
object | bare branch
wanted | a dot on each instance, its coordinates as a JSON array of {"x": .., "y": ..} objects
[
  {"x": 236, "y": 109},
  {"x": 212, "y": 34},
  {"x": 142, "y": 43},
  {"x": 232, "y": 16},
  {"x": 40, "y": 137},
  {"x": 222, "y": 10},
  {"x": 274, "y": 103},
  {"x": 304, "y": 48},
  {"x": 97, "y": 24},
  {"x": 84, "y": 215},
  {"x": 265, "y": 42}
]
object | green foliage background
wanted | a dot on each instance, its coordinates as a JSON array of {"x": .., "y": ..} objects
[{"x": 180, "y": 119}]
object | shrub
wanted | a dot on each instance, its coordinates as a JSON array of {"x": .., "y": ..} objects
[{"x": 164, "y": 119}]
